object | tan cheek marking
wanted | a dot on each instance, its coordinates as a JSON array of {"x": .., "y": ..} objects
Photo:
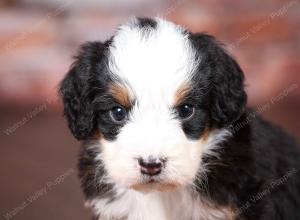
[
  {"x": 206, "y": 134},
  {"x": 181, "y": 93},
  {"x": 227, "y": 211},
  {"x": 232, "y": 213},
  {"x": 121, "y": 95},
  {"x": 97, "y": 135}
]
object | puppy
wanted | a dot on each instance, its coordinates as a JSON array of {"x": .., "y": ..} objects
[{"x": 166, "y": 135}]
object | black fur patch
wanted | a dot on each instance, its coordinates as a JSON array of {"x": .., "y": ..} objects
[
  {"x": 217, "y": 88},
  {"x": 249, "y": 172},
  {"x": 147, "y": 23},
  {"x": 91, "y": 172},
  {"x": 85, "y": 93},
  {"x": 220, "y": 79}
]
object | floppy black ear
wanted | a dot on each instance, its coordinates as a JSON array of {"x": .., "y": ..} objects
[
  {"x": 75, "y": 90},
  {"x": 227, "y": 95}
]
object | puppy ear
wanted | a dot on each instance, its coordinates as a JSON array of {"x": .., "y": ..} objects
[
  {"x": 76, "y": 93},
  {"x": 227, "y": 95}
]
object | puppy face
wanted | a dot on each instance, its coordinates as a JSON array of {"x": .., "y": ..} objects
[{"x": 157, "y": 98}]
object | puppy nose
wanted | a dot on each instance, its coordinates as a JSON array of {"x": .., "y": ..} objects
[{"x": 152, "y": 166}]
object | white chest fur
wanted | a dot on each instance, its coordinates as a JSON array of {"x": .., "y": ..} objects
[{"x": 173, "y": 205}]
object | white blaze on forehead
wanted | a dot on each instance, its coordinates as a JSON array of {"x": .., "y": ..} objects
[{"x": 153, "y": 62}]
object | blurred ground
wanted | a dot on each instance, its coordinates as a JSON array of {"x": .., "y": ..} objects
[
  {"x": 31, "y": 162},
  {"x": 38, "y": 155}
]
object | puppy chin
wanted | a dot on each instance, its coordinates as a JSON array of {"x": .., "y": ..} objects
[{"x": 154, "y": 186}]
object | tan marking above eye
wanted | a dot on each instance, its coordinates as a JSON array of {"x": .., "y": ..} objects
[
  {"x": 121, "y": 95},
  {"x": 181, "y": 94}
]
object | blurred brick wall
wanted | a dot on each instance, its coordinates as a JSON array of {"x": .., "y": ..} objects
[{"x": 38, "y": 39}]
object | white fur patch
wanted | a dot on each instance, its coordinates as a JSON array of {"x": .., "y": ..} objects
[
  {"x": 153, "y": 64},
  {"x": 181, "y": 204}
]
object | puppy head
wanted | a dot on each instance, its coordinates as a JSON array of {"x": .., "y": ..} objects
[{"x": 157, "y": 98}]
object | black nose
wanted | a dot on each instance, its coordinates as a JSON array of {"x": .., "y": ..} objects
[{"x": 151, "y": 166}]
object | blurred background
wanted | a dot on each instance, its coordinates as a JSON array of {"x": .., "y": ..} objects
[{"x": 38, "y": 38}]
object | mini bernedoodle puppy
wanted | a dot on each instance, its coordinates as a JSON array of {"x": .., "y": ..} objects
[{"x": 166, "y": 135}]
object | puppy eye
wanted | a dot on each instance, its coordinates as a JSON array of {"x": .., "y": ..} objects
[
  {"x": 118, "y": 114},
  {"x": 185, "y": 111}
]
